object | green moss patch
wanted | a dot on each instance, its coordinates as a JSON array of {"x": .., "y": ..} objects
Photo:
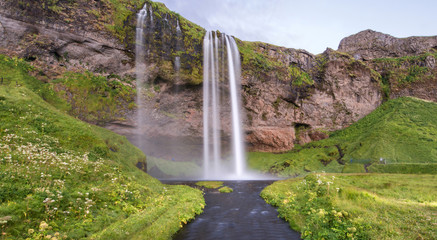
[
  {"x": 226, "y": 189},
  {"x": 210, "y": 184}
]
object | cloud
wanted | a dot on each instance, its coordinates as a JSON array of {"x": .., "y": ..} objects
[{"x": 312, "y": 25}]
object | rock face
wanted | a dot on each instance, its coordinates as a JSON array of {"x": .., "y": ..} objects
[
  {"x": 290, "y": 96},
  {"x": 342, "y": 93},
  {"x": 271, "y": 139},
  {"x": 50, "y": 41},
  {"x": 369, "y": 44}
]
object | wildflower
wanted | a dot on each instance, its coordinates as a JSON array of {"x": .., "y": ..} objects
[
  {"x": 43, "y": 225},
  {"x": 345, "y": 213},
  {"x": 30, "y": 231},
  {"x": 321, "y": 212}
]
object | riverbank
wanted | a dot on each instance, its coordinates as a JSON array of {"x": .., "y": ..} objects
[{"x": 360, "y": 206}]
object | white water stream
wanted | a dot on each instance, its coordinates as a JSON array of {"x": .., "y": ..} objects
[{"x": 215, "y": 164}]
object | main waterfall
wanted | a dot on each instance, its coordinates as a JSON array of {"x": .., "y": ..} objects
[{"x": 217, "y": 50}]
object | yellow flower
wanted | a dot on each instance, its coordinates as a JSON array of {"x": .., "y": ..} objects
[
  {"x": 30, "y": 231},
  {"x": 43, "y": 225}
]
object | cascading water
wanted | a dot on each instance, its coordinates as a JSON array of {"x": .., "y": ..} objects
[
  {"x": 177, "y": 60},
  {"x": 234, "y": 70},
  {"x": 215, "y": 165},
  {"x": 140, "y": 65}
]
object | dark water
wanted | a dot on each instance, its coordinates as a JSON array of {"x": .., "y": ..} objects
[{"x": 242, "y": 214}]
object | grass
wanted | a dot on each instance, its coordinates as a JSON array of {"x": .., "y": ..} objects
[
  {"x": 402, "y": 71},
  {"x": 226, "y": 189},
  {"x": 63, "y": 178},
  {"x": 410, "y": 168},
  {"x": 210, "y": 184},
  {"x": 401, "y": 131},
  {"x": 94, "y": 98},
  {"x": 215, "y": 185},
  {"x": 174, "y": 168},
  {"x": 87, "y": 96},
  {"x": 360, "y": 206}
]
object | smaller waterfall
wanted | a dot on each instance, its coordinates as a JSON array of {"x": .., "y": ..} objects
[
  {"x": 178, "y": 28},
  {"x": 151, "y": 15},
  {"x": 140, "y": 64},
  {"x": 215, "y": 164},
  {"x": 177, "y": 60}
]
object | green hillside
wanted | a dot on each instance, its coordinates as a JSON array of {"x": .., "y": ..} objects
[
  {"x": 402, "y": 132},
  {"x": 63, "y": 178}
]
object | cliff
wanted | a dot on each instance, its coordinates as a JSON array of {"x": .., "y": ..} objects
[
  {"x": 369, "y": 44},
  {"x": 290, "y": 96}
]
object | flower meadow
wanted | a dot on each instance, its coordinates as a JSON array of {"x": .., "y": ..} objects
[
  {"x": 61, "y": 178},
  {"x": 357, "y": 206}
]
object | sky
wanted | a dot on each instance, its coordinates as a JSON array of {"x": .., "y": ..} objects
[{"x": 312, "y": 25}]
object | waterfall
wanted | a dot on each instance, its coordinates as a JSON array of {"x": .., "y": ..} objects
[
  {"x": 140, "y": 65},
  {"x": 234, "y": 70},
  {"x": 215, "y": 164},
  {"x": 177, "y": 60}
]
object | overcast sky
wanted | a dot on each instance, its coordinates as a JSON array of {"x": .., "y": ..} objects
[{"x": 312, "y": 25}]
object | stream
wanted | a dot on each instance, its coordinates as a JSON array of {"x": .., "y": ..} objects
[{"x": 242, "y": 214}]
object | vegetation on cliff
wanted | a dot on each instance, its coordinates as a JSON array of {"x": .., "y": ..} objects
[
  {"x": 398, "y": 73},
  {"x": 357, "y": 206},
  {"x": 63, "y": 178},
  {"x": 401, "y": 132}
]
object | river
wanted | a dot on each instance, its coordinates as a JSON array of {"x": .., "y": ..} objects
[{"x": 242, "y": 214}]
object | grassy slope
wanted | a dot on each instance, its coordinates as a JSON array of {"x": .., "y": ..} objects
[
  {"x": 372, "y": 206},
  {"x": 403, "y": 131},
  {"x": 77, "y": 178}
]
